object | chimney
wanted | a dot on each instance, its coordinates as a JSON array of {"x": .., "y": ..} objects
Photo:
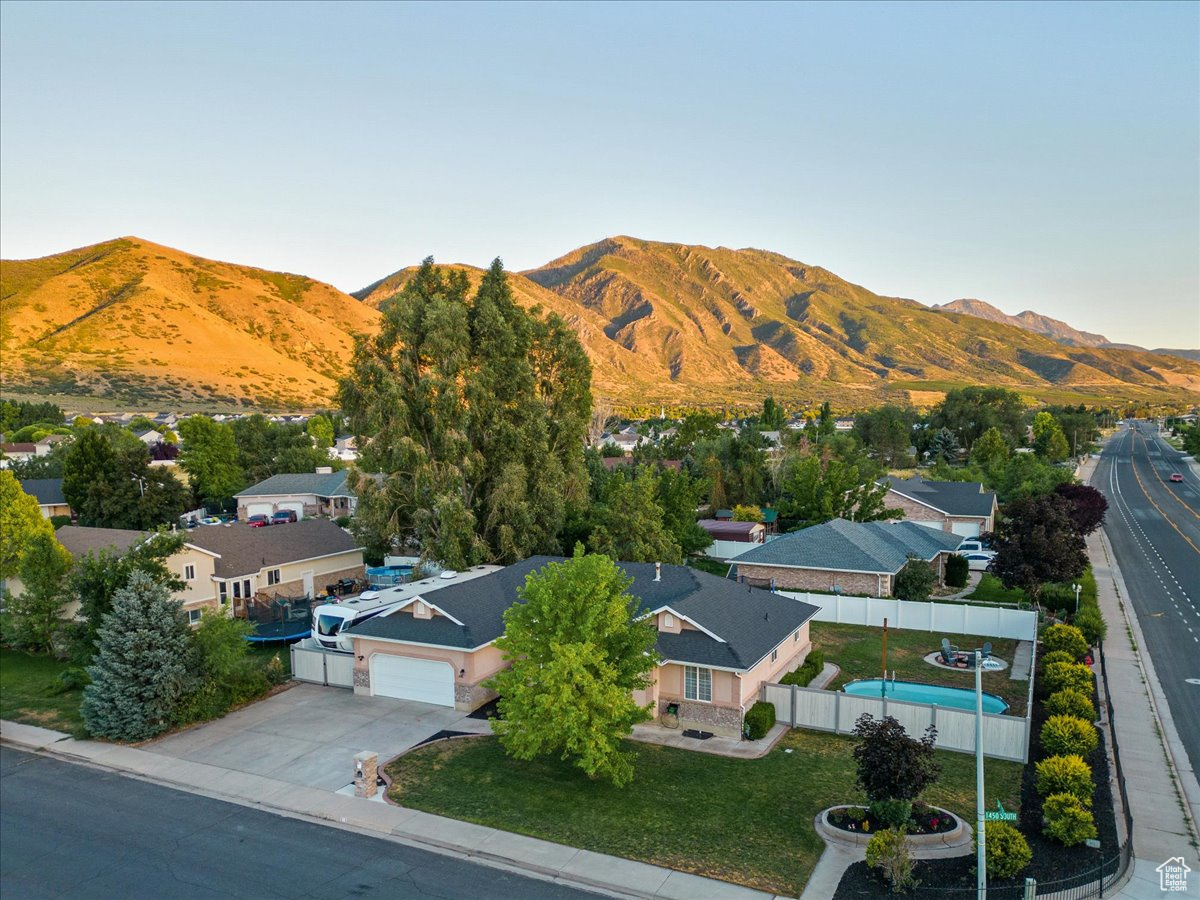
[{"x": 658, "y": 571}]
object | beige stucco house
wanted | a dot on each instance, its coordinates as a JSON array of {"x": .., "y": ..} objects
[{"x": 718, "y": 641}]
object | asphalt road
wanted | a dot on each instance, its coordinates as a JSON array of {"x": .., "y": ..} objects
[
  {"x": 71, "y": 831},
  {"x": 1153, "y": 525}
]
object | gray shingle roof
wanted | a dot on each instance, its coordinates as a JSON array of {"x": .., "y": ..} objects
[
  {"x": 332, "y": 485},
  {"x": 244, "y": 550},
  {"x": 80, "y": 540},
  {"x": 750, "y": 621},
  {"x": 954, "y": 498},
  {"x": 875, "y": 547},
  {"x": 48, "y": 491}
]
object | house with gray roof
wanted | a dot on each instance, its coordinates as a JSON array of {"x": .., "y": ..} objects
[
  {"x": 845, "y": 557},
  {"x": 49, "y": 495},
  {"x": 959, "y": 507},
  {"x": 718, "y": 641},
  {"x": 320, "y": 493}
]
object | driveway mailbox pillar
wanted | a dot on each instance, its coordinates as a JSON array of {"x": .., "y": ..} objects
[{"x": 366, "y": 769}]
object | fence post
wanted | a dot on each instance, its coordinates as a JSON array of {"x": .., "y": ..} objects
[
  {"x": 933, "y": 718},
  {"x": 325, "y": 669},
  {"x": 1030, "y": 888},
  {"x": 837, "y": 712},
  {"x": 794, "y": 705}
]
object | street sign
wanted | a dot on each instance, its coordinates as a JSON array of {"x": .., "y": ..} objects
[{"x": 999, "y": 814}]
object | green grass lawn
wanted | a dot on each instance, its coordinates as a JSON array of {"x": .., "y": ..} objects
[
  {"x": 747, "y": 821},
  {"x": 29, "y": 693},
  {"x": 711, "y": 566},
  {"x": 991, "y": 590},
  {"x": 858, "y": 651}
]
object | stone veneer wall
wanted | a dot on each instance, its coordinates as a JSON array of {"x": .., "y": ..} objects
[
  {"x": 722, "y": 720},
  {"x": 819, "y": 579},
  {"x": 469, "y": 697}
]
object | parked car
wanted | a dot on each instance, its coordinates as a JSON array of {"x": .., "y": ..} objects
[
  {"x": 1176, "y": 477},
  {"x": 283, "y": 516},
  {"x": 258, "y": 521},
  {"x": 979, "y": 560}
]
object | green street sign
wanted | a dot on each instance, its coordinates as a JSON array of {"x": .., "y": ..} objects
[{"x": 999, "y": 814}]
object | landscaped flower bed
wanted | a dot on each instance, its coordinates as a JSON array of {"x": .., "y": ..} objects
[{"x": 925, "y": 819}]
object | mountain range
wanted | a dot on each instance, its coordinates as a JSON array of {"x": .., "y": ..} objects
[{"x": 661, "y": 322}]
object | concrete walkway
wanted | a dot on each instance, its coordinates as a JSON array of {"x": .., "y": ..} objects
[{"x": 557, "y": 863}]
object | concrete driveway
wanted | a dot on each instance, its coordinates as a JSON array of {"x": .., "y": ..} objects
[{"x": 308, "y": 735}]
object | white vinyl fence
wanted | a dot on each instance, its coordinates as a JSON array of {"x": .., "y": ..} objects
[
  {"x": 1004, "y": 737},
  {"x": 725, "y": 550},
  {"x": 316, "y": 665},
  {"x": 949, "y": 618}
]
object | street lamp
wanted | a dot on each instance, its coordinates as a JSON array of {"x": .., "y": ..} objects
[
  {"x": 141, "y": 483},
  {"x": 1077, "y": 588},
  {"x": 980, "y": 835}
]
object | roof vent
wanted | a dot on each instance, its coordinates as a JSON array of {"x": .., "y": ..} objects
[
  {"x": 369, "y": 595},
  {"x": 658, "y": 571},
  {"x": 448, "y": 574}
]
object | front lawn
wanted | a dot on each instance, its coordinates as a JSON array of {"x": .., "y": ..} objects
[
  {"x": 858, "y": 650},
  {"x": 746, "y": 821},
  {"x": 991, "y": 590},
  {"x": 30, "y": 693}
]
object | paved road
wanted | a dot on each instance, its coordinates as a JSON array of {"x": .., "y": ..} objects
[
  {"x": 1153, "y": 525},
  {"x": 71, "y": 831}
]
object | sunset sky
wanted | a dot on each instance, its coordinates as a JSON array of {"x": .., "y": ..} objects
[{"x": 1037, "y": 156}]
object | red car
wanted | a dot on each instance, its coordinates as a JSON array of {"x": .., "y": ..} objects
[
  {"x": 1175, "y": 476},
  {"x": 258, "y": 521}
]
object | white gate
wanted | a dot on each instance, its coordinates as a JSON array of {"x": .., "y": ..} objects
[{"x": 316, "y": 665}]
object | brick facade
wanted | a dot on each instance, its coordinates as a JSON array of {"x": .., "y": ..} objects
[
  {"x": 320, "y": 579},
  {"x": 789, "y": 579},
  {"x": 919, "y": 512}
]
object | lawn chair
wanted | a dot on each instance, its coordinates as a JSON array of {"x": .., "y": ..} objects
[
  {"x": 987, "y": 651},
  {"x": 949, "y": 653}
]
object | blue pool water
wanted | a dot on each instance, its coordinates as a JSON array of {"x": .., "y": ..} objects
[
  {"x": 959, "y": 698},
  {"x": 386, "y": 576}
]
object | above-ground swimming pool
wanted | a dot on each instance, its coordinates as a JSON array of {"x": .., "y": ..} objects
[
  {"x": 384, "y": 576},
  {"x": 913, "y": 692}
]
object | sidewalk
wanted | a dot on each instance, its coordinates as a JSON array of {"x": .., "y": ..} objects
[{"x": 558, "y": 863}]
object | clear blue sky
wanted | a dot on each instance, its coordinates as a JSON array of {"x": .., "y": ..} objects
[{"x": 1037, "y": 156}]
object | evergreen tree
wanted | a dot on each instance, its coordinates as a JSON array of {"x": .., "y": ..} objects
[
  {"x": 476, "y": 412},
  {"x": 37, "y": 611},
  {"x": 140, "y": 671},
  {"x": 773, "y": 416},
  {"x": 577, "y": 652},
  {"x": 887, "y": 432}
]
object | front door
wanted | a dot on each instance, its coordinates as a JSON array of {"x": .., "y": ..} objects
[{"x": 308, "y": 585}]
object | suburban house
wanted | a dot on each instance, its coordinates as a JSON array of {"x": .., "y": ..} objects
[
  {"x": 49, "y": 495},
  {"x": 320, "y": 493},
  {"x": 17, "y": 453},
  {"x": 718, "y": 641},
  {"x": 845, "y": 557},
  {"x": 960, "y": 507},
  {"x": 250, "y": 567}
]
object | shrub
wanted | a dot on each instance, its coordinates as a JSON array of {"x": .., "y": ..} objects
[
  {"x": 1089, "y": 621},
  {"x": 957, "y": 570},
  {"x": 1056, "y": 656},
  {"x": 275, "y": 673},
  {"x": 59, "y": 521},
  {"x": 1068, "y": 736},
  {"x": 811, "y": 668},
  {"x": 1062, "y": 675},
  {"x": 1066, "y": 638},
  {"x": 1071, "y": 703},
  {"x": 915, "y": 581},
  {"x": 888, "y": 851},
  {"x": 1065, "y": 775},
  {"x": 892, "y": 765},
  {"x": 892, "y": 813},
  {"x": 1007, "y": 850},
  {"x": 1067, "y": 820},
  {"x": 342, "y": 521},
  {"x": 1058, "y": 597},
  {"x": 760, "y": 718},
  {"x": 71, "y": 679}
]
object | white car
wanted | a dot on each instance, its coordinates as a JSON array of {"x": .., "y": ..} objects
[{"x": 979, "y": 560}]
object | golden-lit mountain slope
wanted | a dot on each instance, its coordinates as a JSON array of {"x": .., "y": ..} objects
[{"x": 132, "y": 320}]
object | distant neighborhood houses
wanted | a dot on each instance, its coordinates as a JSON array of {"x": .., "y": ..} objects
[{"x": 320, "y": 493}]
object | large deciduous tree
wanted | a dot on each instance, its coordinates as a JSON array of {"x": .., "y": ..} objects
[
  {"x": 887, "y": 433},
  {"x": 474, "y": 411},
  {"x": 1088, "y": 506},
  {"x": 971, "y": 411},
  {"x": 141, "y": 669},
  {"x": 818, "y": 486},
  {"x": 21, "y": 522},
  {"x": 109, "y": 483},
  {"x": 1036, "y": 541},
  {"x": 577, "y": 650},
  {"x": 37, "y": 611},
  {"x": 210, "y": 458}
]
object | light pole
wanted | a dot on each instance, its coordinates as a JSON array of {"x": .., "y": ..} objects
[
  {"x": 980, "y": 835},
  {"x": 141, "y": 483},
  {"x": 1077, "y": 588}
]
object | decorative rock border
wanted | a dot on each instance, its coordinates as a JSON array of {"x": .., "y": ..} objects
[
  {"x": 958, "y": 837},
  {"x": 935, "y": 659}
]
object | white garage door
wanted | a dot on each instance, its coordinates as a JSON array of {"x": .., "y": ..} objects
[
  {"x": 966, "y": 529},
  {"x": 406, "y": 678},
  {"x": 259, "y": 509},
  {"x": 295, "y": 506},
  {"x": 927, "y": 523}
]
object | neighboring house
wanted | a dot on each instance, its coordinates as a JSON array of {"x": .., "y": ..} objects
[
  {"x": 150, "y": 438},
  {"x": 960, "y": 507},
  {"x": 345, "y": 449},
  {"x": 320, "y": 493},
  {"x": 843, "y": 426},
  {"x": 49, "y": 495},
  {"x": 17, "y": 453},
  {"x": 718, "y": 642},
  {"x": 728, "y": 530},
  {"x": 845, "y": 557},
  {"x": 242, "y": 565},
  {"x": 48, "y": 443}
]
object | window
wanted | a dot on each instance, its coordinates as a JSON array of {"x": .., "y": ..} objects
[
  {"x": 246, "y": 589},
  {"x": 697, "y": 683},
  {"x": 223, "y": 591},
  {"x": 237, "y": 589},
  {"x": 420, "y": 608},
  {"x": 193, "y": 615},
  {"x": 273, "y": 576},
  {"x": 189, "y": 573},
  {"x": 668, "y": 620},
  {"x": 775, "y": 654}
]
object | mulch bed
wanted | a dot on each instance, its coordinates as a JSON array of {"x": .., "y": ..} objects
[
  {"x": 1053, "y": 864},
  {"x": 924, "y": 820}
]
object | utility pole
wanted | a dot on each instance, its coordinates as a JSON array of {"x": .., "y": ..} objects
[{"x": 980, "y": 834}]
